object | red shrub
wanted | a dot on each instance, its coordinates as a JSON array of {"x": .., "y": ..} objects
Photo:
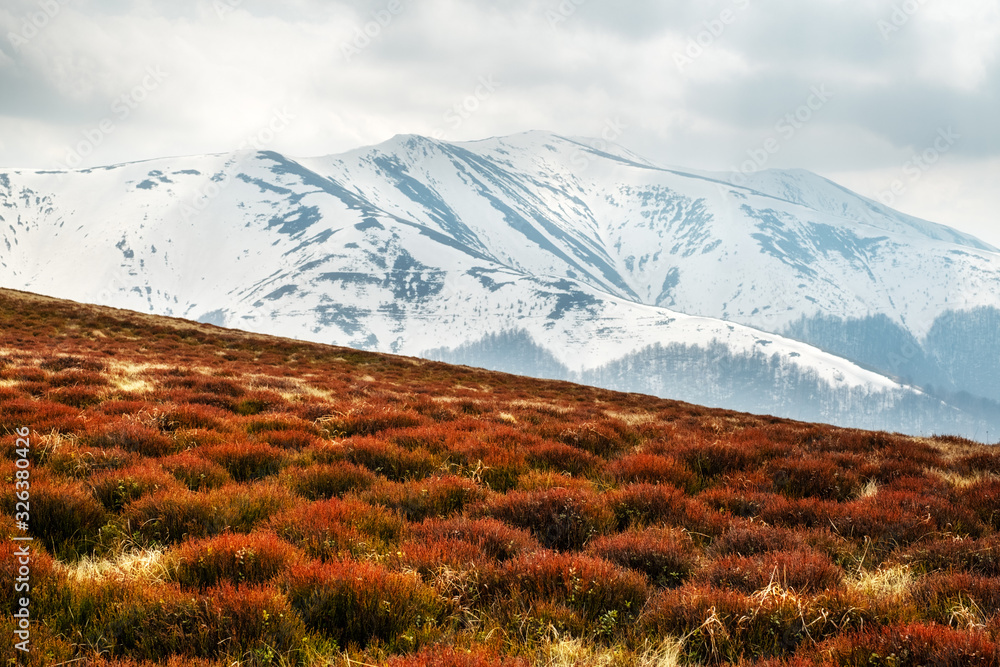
[
  {"x": 493, "y": 539},
  {"x": 277, "y": 424},
  {"x": 312, "y": 410},
  {"x": 804, "y": 571},
  {"x": 559, "y": 518},
  {"x": 24, "y": 374},
  {"x": 368, "y": 420},
  {"x": 257, "y": 402},
  {"x": 64, "y": 516},
  {"x": 74, "y": 461},
  {"x": 219, "y": 401},
  {"x": 561, "y": 457},
  {"x": 920, "y": 485},
  {"x": 983, "y": 497},
  {"x": 117, "y": 407},
  {"x": 245, "y": 461},
  {"x": 196, "y": 473},
  {"x": 41, "y": 566},
  {"x": 446, "y": 656},
  {"x": 76, "y": 397},
  {"x": 746, "y": 504},
  {"x": 500, "y": 469},
  {"x": 536, "y": 480},
  {"x": 40, "y": 415},
  {"x": 294, "y": 439},
  {"x": 982, "y": 462},
  {"x": 752, "y": 539},
  {"x": 914, "y": 645},
  {"x": 197, "y": 382},
  {"x": 190, "y": 416},
  {"x": 154, "y": 623},
  {"x": 709, "y": 619},
  {"x": 651, "y": 469},
  {"x": 355, "y": 603},
  {"x": 239, "y": 559},
  {"x": 321, "y": 481},
  {"x": 116, "y": 488},
  {"x": 33, "y": 389},
  {"x": 724, "y": 627},
  {"x": 888, "y": 470},
  {"x": 131, "y": 436},
  {"x": 794, "y": 661},
  {"x": 78, "y": 378},
  {"x": 426, "y": 558},
  {"x": 435, "y": 438},
  {"x": 938, "y": 595},
  {"x": 66, "y": 362},
  {"x": 666, "y": 556},
  {"x": 431, "y": 409},
  {"x": 902, "y": 518},
  {"x": 331, "y": 528},
  {"x": 980, "y": 556},
  {"x": 171, "y": 516},
  {"x": 247, "y": 506},
  {"x": 646, "y": 504},
  {"x": 604, "y": 438},
  {"x": 431, "y": 497},
  {"x": 711, "y": 459},
  {"x": 244, "y": 621},
  {"x": 387, "y": 459},
  {"x": 503, "y": 436},
  {"x": 799, "y": 512},
  {"x": 324, "y": 452},
  {"x": 592, "y": 586},
  {"x": 801, "y": 476}
]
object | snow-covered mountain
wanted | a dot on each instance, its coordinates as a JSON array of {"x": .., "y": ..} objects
[{"x": 540, "y": 254}]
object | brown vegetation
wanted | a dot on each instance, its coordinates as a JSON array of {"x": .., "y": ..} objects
[{"x": 208, "y": 497}]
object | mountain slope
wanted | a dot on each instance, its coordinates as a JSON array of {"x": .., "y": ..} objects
[
  {"x": 533, "y": 241},
  {"x": 200, "y": 495}
]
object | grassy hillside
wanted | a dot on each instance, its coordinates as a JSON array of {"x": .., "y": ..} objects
[{"x": 207, "y": 497}]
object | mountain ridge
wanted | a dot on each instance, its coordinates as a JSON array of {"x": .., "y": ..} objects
[{"x": 418, "y": 245}]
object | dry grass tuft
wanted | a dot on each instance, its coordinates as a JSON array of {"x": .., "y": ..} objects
[{"x": 142, "y": 565}]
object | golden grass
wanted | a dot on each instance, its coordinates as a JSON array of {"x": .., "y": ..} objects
[
  {"x": 147, "y": 565},
  {"x": 869, "y": 490},
  {"x": 575, "y": 652},
  {"x": 892, "y": 583}
]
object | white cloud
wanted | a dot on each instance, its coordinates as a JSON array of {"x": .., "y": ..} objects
[{"x": 228, "y": 74}]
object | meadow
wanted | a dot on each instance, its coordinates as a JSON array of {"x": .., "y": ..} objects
[{"x": 207, "y": 497}]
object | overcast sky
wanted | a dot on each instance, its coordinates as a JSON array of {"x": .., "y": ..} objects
[{"x": 851, "y": 89}]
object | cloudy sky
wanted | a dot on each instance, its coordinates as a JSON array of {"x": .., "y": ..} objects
[{"x": 896, "y": 99}]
